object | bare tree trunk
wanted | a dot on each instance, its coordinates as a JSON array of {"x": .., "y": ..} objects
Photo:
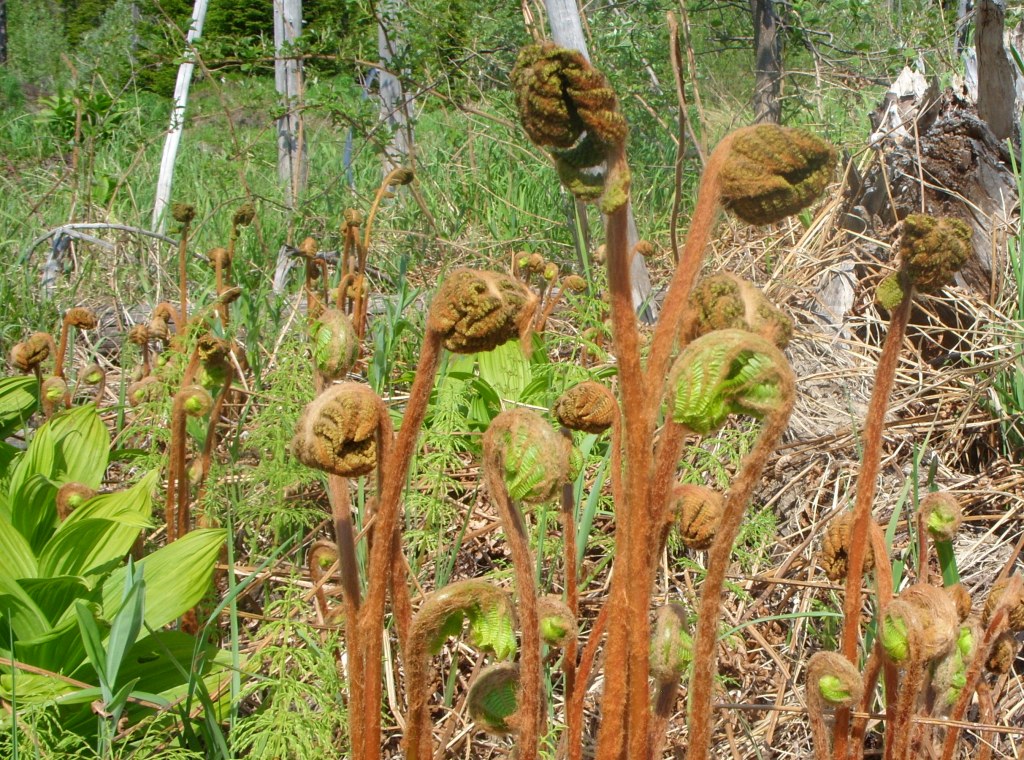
[
  {"x": 996, "y": 90},
  {"x": 394, "y": 107},
  {"x": 291, "y": 143},
  {"x": 177, "y": 124},
  {"x": 962, "y": 24},
  {"x": 3, "y": 32},
  {"x": 567, "y": 31},
  {"x": 767, "y": 63}
]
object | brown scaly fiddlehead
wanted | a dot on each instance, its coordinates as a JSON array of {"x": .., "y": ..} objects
[
  {"x": 320, "y": 558},
  {"x": 443, "y": 613},
  {"x": 919, "y": 627},
  {"x": 525, "y": 459},
  {"x": 70, "y": 497},
  {"x": 725, "y": 301},
  {"x": 762, "y": 174},
  {"x": 671, "y": 656},
  {"x": 930, "y": 251},
  {"x": 832, "y": 681},
  {"x": 344, "y": 432},
  {"x": 29, "y": 355},
  {"x": 722, "y": 373}
]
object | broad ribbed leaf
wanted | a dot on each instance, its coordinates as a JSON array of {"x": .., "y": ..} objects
[
  {"x": 54, "y": 596},
  {"x": 39, "y": 459},
  {"x": 177, "y": 576},
  {"x": 34, "y": 514},
  {"x": 83, "y": 445},
  {"x": 17, "y": 402},
  {"x": 16, "y": 557},
  {"x": 59, "y": 649},
  {"x": 18, "y": 613}
]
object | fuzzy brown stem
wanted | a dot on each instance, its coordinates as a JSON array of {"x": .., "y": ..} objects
[
  {"x": 697, "y": 238},
  {"x": 571, "y": 587},
  {"x": 211, "y": 435},
  {"x": 529, "y": 723},
  {"x": 639, "y": 434},
  {"x": 179, "y": 325},
  {"x": 176, "y": 453},
  {"x": 706, "y": 634},
  {"x": 996, "y": 626},
  {"x": 574, "y": 708},
  {"x": 871, "y": 459},
  {"x": 986, "y": 714},
  {"x": 348, "y": 568},
  {"x": 399, "y": 459},
  {"x": 381, "y": 562},
  {"x": 819, "y": 731},
  {"x": 860, "y": 725},
  {"x": 897, "y": 733},
  {"x": 62, "y": 347},
  {"x": 665, "y": 694}
]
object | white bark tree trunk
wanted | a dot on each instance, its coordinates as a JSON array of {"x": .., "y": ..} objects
[
  {"x": 177, "y": 123},
  {"x": 394, "y": 107},
  {"x": 567, "y": 31},
  {"x": 292, "y": 162}
]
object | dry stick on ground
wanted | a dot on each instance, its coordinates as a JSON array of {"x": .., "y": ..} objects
[{"x": 871, "y": 459}]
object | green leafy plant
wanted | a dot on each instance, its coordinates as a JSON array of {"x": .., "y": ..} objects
[{"x": 75, "y": 613}]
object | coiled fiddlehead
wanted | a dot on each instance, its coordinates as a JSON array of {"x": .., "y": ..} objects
[
  {"x": 337, "y": 432},
  {"x": 727, "y": 372},
  {"x": 493, "y": 698},
  {"x": 725, "y": 301},
  {"x": 443, "y": 613},
  {"x": 832, "y": 681},
  {"x": 478, "y": 311}
]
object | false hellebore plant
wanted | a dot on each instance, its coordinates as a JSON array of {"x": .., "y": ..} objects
[{"x": 716, "y": 352}]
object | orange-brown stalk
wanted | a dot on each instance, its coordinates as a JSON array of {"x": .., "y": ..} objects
[
  {"x": 997, "y": 624},
  {"x": 871, "y": 459},
  {"x": 674, "y": 304},
  {"x": 179, "y": 325},
  {"x": 705, "y": 637},
  {"x": 398, "y": 461},
  {"x": 529, "y": 723},
  {"x": 572, "y": 600},
  {"x": 348, "y": 568}
]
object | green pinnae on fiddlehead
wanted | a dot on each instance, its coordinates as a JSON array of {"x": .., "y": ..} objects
[
  {"x": 335, "y": 344},
  {"x": 535, "y": 460},
  {"x": 487, "y": 608},
  {"x": 587, "y": 406},
  {"x": 834, "y": 680},
  {"x": 922, "y": 621},
  {"x": 890, "y": 292},
  {"x": 725, "y": 301},
  {"x": 492, "y": 698},
  {"x": 478, "y": 311},
  {"x": 70, "y": 497},
  {"x": 932, "y": 250},
  {"x": 337, "y": 432},
  {"x": 557, "y": 624},
  {"x": 52, "y": 392},
  {"x": 148, "y": 388},
  {"x": 196, "y": 401},
  {"x": 950, "y": 676},
  {"x": 942, "y": 515},
  {"x": 772, "y": 172},
  {"x": 728, "y": 372},
  {"x": 671, "y": 644}
]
